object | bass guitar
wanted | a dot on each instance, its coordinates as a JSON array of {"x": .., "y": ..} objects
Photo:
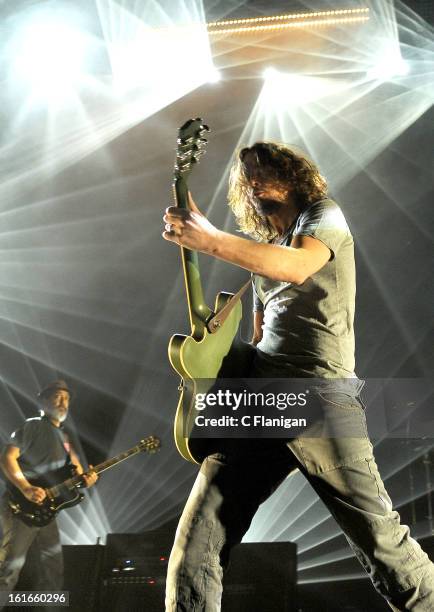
[
  {"x": 214, "y": 348},
  {"x": 66, "y": 494}
]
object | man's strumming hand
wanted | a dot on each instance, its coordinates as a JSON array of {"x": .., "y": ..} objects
[{"x": 34, "y": 494}]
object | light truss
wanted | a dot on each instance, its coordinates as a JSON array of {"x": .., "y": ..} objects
[{"x": 292, "y": 20}]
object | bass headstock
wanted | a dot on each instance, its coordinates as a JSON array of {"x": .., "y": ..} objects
[
  {"x": 191, "y": 146},
  {"x": 151, "y": 444}
]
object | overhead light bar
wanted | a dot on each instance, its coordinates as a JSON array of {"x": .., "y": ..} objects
[{"x": 292, "y": 20}]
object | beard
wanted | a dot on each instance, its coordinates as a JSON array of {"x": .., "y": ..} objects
[
  {"x": 56, "y": 413},
  {"x": 265, "y": 207},
  {"x": 61, "y": 416}
]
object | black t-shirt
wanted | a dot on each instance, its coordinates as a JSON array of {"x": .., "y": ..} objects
[{"x": 44, "y": 448}]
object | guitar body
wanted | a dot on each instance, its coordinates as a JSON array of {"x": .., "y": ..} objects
[
  {"x": 201, "y": 360},
  {"x": 39, "y": 515}
]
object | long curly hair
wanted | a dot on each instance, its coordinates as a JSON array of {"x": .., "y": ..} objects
[{"x": 282, "y": 163}]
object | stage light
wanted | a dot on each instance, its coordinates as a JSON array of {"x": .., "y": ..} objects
[
  {"x": 269, "y": 73},
  {"x": 284, "y": 90},
  {"x": 309, "y": 15},
  {"x": 390, "y": 65},
  {"x": 293, "y": 20},
  {"x": 49, "y": 55},
  {"x": 214, "y": 76},
  {"x": 133, "y": 70}
]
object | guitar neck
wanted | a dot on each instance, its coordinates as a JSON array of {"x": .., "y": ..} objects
[
  {"x": 101, "y": 467},
  {"x": 198, "y": 310},
  {"x": 105, "y": 465}
]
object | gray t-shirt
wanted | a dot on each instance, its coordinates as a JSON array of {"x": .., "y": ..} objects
[
  {"x": 44, "y": 448},
  {"x": 308, "y": 329}
]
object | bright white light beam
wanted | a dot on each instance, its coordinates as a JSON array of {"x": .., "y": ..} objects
[{"x": 49, "y": 55}]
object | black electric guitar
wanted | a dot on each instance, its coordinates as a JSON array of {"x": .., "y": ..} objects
[
  {"x": 66, "y": 494},
  {"x": 214, "y": 349}
]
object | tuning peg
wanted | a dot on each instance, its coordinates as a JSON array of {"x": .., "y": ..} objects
[
  {"x": 185, "y": 142},
  {"x": 203, "y": 126},
  {"x": 182, "y": 167},
  {"x": 183, "y": 156},
  {"x": 183, "y": 159},
  {"x": 184, "y": 148}
]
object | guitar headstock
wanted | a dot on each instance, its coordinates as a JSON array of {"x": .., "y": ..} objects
[
  {"x": 191, "y": 146},
  {"x": 151, "y": 444}
]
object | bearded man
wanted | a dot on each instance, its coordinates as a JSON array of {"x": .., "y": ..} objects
[
  {"x": 304, "y": 294},
  {"x": 39, "y": 448}
]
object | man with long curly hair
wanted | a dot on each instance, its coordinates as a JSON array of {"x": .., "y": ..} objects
[{"x": 303, "y": 269}]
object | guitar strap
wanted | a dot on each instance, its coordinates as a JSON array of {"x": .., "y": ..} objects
[
  {"x": 64, "y": 439},
  {"x": 216, "y": 321}
]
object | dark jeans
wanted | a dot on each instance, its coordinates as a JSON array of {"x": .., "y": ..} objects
[
  {"x": 16, "y": 541},
  {"x": 231, "y": 485}
]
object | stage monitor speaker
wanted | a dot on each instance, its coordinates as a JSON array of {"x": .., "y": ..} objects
[
  {"x": 82, "y": 576},
  {"x": 261, "y": 577},
  {"x": 135, "y": 568},
  {"x": 83, "y": 565}
]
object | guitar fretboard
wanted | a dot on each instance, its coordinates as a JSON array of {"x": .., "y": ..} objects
[
  {"x": 105, "y": 465},
  {"x": 150, "y": 444}
]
